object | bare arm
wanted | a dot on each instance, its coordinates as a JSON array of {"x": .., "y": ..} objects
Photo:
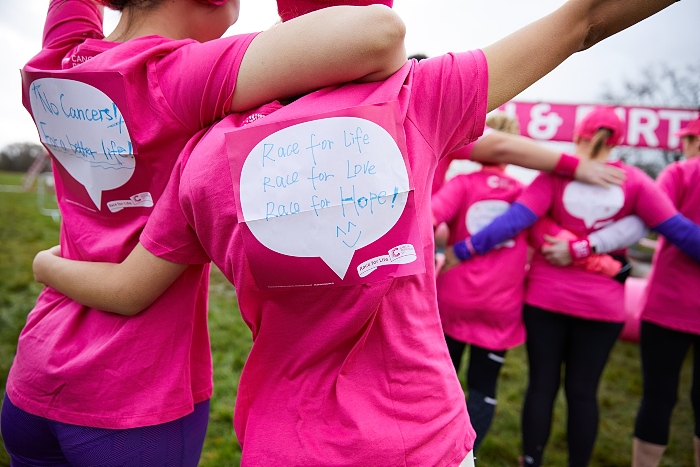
[
  {"x": 518, "y": 60},
  {"x": 125, "y": 288},
  {"x": 503, "y": 148},
  {"x": 326, "y": 47}
]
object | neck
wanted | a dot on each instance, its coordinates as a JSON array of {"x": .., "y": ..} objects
[{"x": 173, "y": 20}]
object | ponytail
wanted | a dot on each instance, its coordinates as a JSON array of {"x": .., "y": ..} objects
[{"x": 600, "y": 139}]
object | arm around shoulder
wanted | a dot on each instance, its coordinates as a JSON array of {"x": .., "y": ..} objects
[
  {"x": 124, "y": 288},
  {"x": 323, "y": 48}
]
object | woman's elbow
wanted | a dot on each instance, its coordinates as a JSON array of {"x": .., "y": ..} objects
[{"x": 387, "y": 42}]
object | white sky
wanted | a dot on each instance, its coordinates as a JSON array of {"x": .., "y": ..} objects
[{"x": 434, "y": 27}]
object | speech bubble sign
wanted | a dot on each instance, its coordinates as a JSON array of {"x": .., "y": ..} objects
[
  {"x": 592, "y": 203},
  {"x": 85, "y": 132},
  {"x": 324, "y": 188},
  {"x": 482, "y": 213}
]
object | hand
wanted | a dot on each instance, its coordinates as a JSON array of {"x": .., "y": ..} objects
[
  {"x": 450, "y": 260},
  {"x": 556, "y": 251},
  {"x": 598, "y": 173},
  {"x": 439, "y": 261},
  {"x": 42, "y": 260}
]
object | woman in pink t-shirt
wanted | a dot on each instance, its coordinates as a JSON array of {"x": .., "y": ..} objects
[
  {"x": 670, "y": 320},
  {"x": 367, "y": 360},
  {"x": 166, "y": 74},
  {"x": 565, "y": 322}
]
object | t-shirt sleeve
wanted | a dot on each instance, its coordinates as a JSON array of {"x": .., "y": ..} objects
[
  {"x": 538, "y": 196},
  {"x": 198, "y": 79},
  {"x": 447, "y": 201},
  {"x": 651, "y": 203},
  {"x": 168, "y": 233},
  {"x": 70, "y": 22},
  {"x": 450, "y": 99}
]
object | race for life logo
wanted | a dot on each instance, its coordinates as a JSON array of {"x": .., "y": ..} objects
[
  {"x": 336, "y": 189},
  {"x": 86, "y": 133},
  {"x": 592, "y": 203}
]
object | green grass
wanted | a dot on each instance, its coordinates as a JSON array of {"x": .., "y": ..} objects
[{"x": 23, "y": 231}]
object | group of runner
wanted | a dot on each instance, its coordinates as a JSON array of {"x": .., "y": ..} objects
[
  {"x": 570, "y": 316},
  {"x": 345, "y": 368}
]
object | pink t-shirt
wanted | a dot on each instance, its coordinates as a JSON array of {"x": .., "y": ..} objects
[
  {"x": 481, "y": 300},
  {"x": 82, "y": 366},
  {"x": 582, "y": 209},
  {"x": 338, "y": 374},
  {"x": 673, "y": 301}
]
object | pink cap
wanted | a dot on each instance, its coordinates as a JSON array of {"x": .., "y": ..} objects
[
  {"x": 693, "y": 129},
  {"x": 288, "y": 9},
  {"x": 601, "y": 117}
]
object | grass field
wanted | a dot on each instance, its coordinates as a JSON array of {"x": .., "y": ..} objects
[{"x": 23, "y": 231}]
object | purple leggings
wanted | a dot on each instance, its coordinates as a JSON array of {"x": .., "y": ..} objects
[{"x": 37, "y": 441}]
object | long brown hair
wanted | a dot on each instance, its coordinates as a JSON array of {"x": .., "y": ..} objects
[{"x": 599, "y": 140}]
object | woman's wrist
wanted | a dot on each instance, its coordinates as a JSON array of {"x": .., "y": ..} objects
[{"x": 567, "y": 165}]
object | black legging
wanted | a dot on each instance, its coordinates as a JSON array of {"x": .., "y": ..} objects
[
  {"x": 663, "y": 351},
  {"x": 583, "y": 346},
  {"x": 482, "y": 376}
]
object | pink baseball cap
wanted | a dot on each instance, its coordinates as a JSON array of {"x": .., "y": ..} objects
[
  {"x": 693, "y": 129},
  {"x": 601, "y": 117},
  {"x": 288, "y": 9}
]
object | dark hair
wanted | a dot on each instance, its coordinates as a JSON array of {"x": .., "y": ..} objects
[
  {"x": 598, "y": 141},
  {"x": 418, "y": 57},
  {"x": 120, "y": 5}
]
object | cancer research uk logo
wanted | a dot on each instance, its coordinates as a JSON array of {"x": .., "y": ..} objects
[
  {"x": 327, "y": 188},
  {"x": 86, "y": 133}
]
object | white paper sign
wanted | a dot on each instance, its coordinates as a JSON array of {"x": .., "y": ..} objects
[
  {"x": 324, "y": 188},
  {"x": 85, "y": 132},
  {"x": 592, "y": 203}
]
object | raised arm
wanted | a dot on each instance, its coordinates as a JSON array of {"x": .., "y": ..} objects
[
  {"x": 520, "y": 59},
  {"x": 125, "y": 288},
  {"x": 70, "y": 22},
  {"x": 326, "y": 47},
  {"x": 502, "y": 148}
]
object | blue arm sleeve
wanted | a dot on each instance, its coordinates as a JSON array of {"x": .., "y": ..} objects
[
  {"x": 504, "y": 227},
  {"x": 683, "y": 233}
]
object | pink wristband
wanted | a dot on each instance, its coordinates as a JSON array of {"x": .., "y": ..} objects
[
  {"x": 580, "y": 248},
  {"x": 566, "y": 167}
]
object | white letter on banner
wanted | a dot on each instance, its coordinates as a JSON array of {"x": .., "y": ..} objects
[
  {"x": 543, "y": 126},
  {"x": 643, "y": 122},
  {"x": 675, "y": 117}
]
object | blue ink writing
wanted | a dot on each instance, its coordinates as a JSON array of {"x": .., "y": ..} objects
[
  {"x": 366, "y": 168},
  {"x": 362, "y": 202},
  {"x": 280, "y": 181},
  {"x": 88, "y": 115},
  {"x": 48, "y": 106},
  {"x": 396, "y": 192},
  {"x": 338, "y": 231},
  {"x": 323, "y": 145},
  {"x": 359, "y": 138},
  {"x": 318, "y": 203},
  {"x": 321, "y": 177},
  {"x": 273, "y": 210},
  {"x": 267, "y": 149}
]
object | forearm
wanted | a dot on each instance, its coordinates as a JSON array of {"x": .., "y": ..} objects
[
  {"x": 504, "y": 227},
  {"x": 683, "y": 234},
  {"x": 618, "y": 235},
  {"x": 527, "y": 55},
  {"x": 326, "y": 47},
  {"x": 503, "y": 148},
  {"x": 125, "y": 288}
]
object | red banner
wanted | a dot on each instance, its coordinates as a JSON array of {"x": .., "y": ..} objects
[{"x": 646, "y": 127}]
